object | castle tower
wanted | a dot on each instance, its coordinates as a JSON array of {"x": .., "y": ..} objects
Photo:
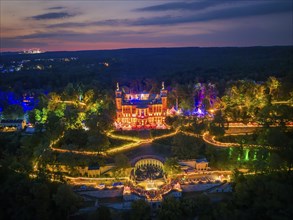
[
  {"x": 164, "y": 97},
  {"x": 118, "y": 99}
]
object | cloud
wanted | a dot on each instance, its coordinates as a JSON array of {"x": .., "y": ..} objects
[
  {"x": 123, "y": 35},
  {"x": 69, "y": 24},
  {"x": 194, "y": 6},
  {"x": 204, "y": 4},
  {"x": 56, "y": 8},
  {"x": 54, "y": 34},
  {"x": 108, "y": 22},
  {"x": 17, "y": 43},
  {"x": 52, "y": 15},
  {"x": 111, "y": 22},
  {"x": 232, "y": 12},
  {"x": 239, "y": 11}
]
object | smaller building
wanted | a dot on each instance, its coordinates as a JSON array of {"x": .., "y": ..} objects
[
  {"x": 187, "y": 163},
  {"x": 201, "y": 164},
  {"x": 94, "y": 170},
  {"x": 19, "y": 124},
  {"x": 189, "y": 166}
]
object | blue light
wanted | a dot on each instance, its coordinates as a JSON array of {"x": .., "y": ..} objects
[
  {"x": 9, "y": 98},
  {"x": 12, "y": 100}
]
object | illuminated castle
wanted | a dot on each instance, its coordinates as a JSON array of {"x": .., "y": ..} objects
[{"x": 135, "y": 111}]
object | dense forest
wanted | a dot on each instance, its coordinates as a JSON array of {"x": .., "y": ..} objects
[{"x": 179, "y": 65}]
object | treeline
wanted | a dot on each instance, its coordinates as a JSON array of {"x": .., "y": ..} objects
[{"x": 181, "y": 65}]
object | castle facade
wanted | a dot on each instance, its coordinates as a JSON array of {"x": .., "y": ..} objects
[{"x": 140, "y": 111}]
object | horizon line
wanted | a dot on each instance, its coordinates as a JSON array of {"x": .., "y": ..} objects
[{"x": 129, "y": 48}]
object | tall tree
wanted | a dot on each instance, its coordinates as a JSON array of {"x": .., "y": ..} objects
[
  {"x": 170, "y": 210},
  {"x": 171, "y": 166},
  {"x": 140, "y": 210},
  {"x": 66, "y": 201}
]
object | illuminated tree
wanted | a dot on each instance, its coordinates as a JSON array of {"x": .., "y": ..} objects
[
  {"x": 59, "y": 110},
  {"x": 71, "y": 118},
  {"x": 273, "y": 85},
  {"x": 41, "y": 115},
  {"x": 244, "y": 99},
  {"x": 171, "y": 166},
  {"x": 275, "y": 115},
  {"x": 54, "y": 100},
  {"x": 88, "y": 96}
]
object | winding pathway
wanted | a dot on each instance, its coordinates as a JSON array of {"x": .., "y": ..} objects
[{"x": 135, "y": 143}]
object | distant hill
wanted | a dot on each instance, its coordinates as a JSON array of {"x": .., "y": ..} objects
[{"x": 170, "y": 64}]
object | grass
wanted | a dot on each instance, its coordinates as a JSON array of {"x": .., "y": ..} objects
[
  {"x": 248, "y": 139},
  {"x": 163, "y": 149},
  {"x": 144, "y": 134},
  {"x": 117, "y": 142},
  {"x": 165, "y": 141},
  {"x": 113, "y": 143}
]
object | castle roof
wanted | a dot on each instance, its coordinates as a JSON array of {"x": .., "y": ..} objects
[
  {"x": 142, "y": 103},
  {"x": 4, "y": 121},
  {"x": 94, "y": 166},
  {"x": 202, "y": 160}
]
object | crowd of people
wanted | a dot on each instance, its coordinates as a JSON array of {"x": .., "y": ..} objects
[
  {"x": 153, "y": 194},
  {"x": 149, "y": 171}
]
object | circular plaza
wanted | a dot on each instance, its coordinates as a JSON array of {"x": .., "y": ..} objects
[{"x": 148, "y": 171}]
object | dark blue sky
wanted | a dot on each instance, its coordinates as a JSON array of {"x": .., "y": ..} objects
[{"x": 85, "y": 25}]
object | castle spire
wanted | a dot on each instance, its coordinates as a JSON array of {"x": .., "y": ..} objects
[
  {"x": 117, "y": 85},
  {"x": 163, "y": 85}
]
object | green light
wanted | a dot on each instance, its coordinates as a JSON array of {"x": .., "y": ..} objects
[
  {"x": 230, "y": 152},
  {"x": 254, "y": 156},
  {"x": 246, "y": 154}
]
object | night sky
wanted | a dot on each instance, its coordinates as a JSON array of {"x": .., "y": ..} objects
[{"x": 54, "y": 25}]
